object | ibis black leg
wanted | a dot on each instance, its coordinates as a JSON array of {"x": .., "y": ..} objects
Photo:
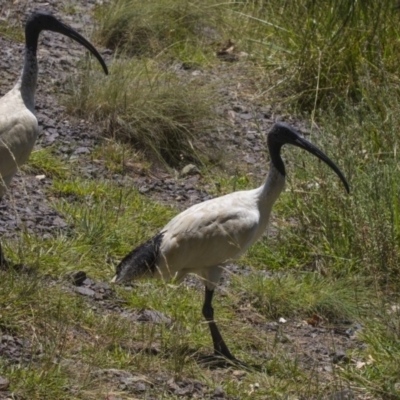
[{"x": 220, "y": 348}]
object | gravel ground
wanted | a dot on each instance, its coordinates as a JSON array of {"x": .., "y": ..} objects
[{"x": 26, "y": 206}]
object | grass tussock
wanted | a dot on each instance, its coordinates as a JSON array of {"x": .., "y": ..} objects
[
  {"x": 306, "y": 294},
  {"x": 322, "y": 53},
  {"x": 43, "y": 161},
  {"x": 184, "y": 29},
  {"x": 154, "y": 110}
]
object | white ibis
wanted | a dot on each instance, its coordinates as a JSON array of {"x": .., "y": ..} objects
[
  {"x": 18, "y": 124},
  {"x": 208, "y": 235}
]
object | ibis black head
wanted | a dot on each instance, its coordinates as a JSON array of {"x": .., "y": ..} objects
[
  {"x": 281, "y": 134},
  {"x": 43, "y": 21}
]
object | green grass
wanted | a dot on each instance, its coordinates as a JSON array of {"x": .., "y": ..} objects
[
  {"x": 11, "y": 30},
  {"x": 120, "y": 158},
  {"x": 92, "y": 208},
  {"x": 44, "y": 162},
  {"x": 306, "y": 294},
  {"x": 321, "y": 54}
]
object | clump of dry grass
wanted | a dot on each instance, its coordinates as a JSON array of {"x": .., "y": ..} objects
[
  {"x": 154, "y": 110},
  {"x": 148, "y": 28}
]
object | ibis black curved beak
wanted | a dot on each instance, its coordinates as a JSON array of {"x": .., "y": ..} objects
[
  {"x": 282, "y": 133},
  {"x": 41, "y": 20}
]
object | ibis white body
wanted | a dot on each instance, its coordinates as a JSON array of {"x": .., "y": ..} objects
[
  {"x": 208, "y": 235},
  {"x": 18, "y": 133}
]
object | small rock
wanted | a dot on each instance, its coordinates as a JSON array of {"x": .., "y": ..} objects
[
  {"x": 144, "y": 189},
  {"x": 339, "y": 356},
  {"x": 282, "y": 320},
  {"x": 7, "y": 338},
  {"x": 77, "y": 277},
  {"x": 189, "y": 169},
  {"x": 246, "y": 116},
  {"x": 4, "y": 383},
  {"x": 59, "y": 222},
  {"x": 85, "y": 291},
  {"x": 250, "y": 160},
  {"x": 239, "y": 373},
  {"x": 102, "y": 286},
  {"x": 395, "y": 308},
  {"x": 82, "y": 150},
  {"x": 192, "y": 180},
  {"x": 156, "y": 317},
  {"x": 219, "y": 392},
  {"x": 140, "y": 387},
  {"x": 345, "y": 394},
  {"x": 328, "y": 368},
  {"x": 88, "y": 282}
]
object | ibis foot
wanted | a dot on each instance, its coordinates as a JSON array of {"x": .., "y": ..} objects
[
  {"x": 6, "y": 265},
  {"x": 218, "y": 361}
]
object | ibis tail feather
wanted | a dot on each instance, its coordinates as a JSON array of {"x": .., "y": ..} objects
[{"x": 141, "y": 261}]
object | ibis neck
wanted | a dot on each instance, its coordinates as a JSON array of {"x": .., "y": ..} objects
[
  {"x": 27, "y": 81},
  {"x": 274, "y": 148},
  {"x": 275, "y": 182},
  {"x": 267, "y": 195},
  {"x": 272, "y": 187}
]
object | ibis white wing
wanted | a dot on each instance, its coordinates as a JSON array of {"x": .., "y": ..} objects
[{"x": 210, "y": 233}]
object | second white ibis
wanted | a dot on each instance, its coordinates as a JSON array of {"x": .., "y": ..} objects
[{"x": 18, "y": 124}]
